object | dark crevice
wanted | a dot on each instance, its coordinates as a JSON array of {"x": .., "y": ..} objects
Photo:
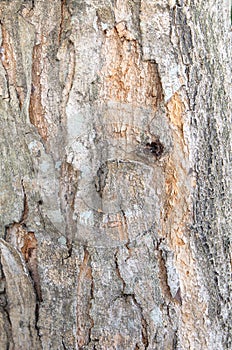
[
  {"x": 175, "y": 341},
  {"x": 64, "y": 345},
  {"x": 40, "y": 202},
  {"x": 101, "y": 178},
  {"x": 69, "y": 245},
  {"x": 156, "y": 148},
  {"x": 25, "y": 205},
  {"x": 132, "y": 296},
  {"x": 126, "y": 229},
  {"x": 118, "y": 272},
  {"x": 143, "y": 323},
  {"x": 90, "y": 304},
  {"x": 33, "y": 272},
  {"x": 164, "y": 274}
]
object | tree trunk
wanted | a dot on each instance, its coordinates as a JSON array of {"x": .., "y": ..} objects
[{"x": 115, "y": 187}]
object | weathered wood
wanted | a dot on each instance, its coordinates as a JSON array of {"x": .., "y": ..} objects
[{"x": 115, "y": 182}]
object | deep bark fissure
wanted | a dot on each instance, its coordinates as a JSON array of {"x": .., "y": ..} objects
[
  {"x": 119, "y": 274},
  {"x": 144, "y": 323},
  {"x": 37, "y": 320},
  {"x": 91, "y": 301},
  {"x": 127, "y": 297},
  {"x": 25, "y": 205},
  {"x": 64, "y": 347}
]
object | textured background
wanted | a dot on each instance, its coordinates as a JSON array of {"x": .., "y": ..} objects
[{"x": 115, "y": 188}]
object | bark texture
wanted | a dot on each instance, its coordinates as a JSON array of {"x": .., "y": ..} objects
[{"x": 115, "y": 218}]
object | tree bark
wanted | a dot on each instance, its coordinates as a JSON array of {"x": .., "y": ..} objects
[{"x": 115, "y": 185}]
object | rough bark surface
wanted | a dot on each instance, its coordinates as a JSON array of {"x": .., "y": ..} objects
[{"x": 115, "y": 218}]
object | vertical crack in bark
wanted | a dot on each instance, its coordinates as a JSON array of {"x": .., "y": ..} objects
[
  {"x": 118, "y": 272},
  {"x": 12, "y": 61},
  {"x": 90, "y": 305},
  {"x": 36, "y": 321},
  {"x": 62, "y": 13},
  {"x": 69, "y": 79},
  {"x": 66, "y": 56},
  {"x": 85, "y": 295},
  {"x": 29, "y": 251},
  {"x": 125, "y": 229},
  {"x": 144, "y": 324},
  {"x": 64, "y": 344},
  {"x": 36, "y": 109},
  {"x": 25, "y": 206},
  {"x": 101, "y": 178},
  {"x": 40, "y": 202},
  {"x": 183, "y": 31},
  {"x": 163, "y": 276},
  {"x": 68, "y": 188}
]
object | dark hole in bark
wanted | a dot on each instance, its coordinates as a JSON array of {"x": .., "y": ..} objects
[
  {"x": 40, "y": 202},
  {"x": 155, "y": 147},
  {"x": 100, "y": 180},
  {"x": 30, "y": 251}
]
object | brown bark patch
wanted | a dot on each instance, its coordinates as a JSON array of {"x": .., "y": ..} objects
[
  {"x": 30, "y": 243},
  {"x": 176, "y": 107},
  {"x": 126, "y": 77},
  {"x": 176, "y": 171}
]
